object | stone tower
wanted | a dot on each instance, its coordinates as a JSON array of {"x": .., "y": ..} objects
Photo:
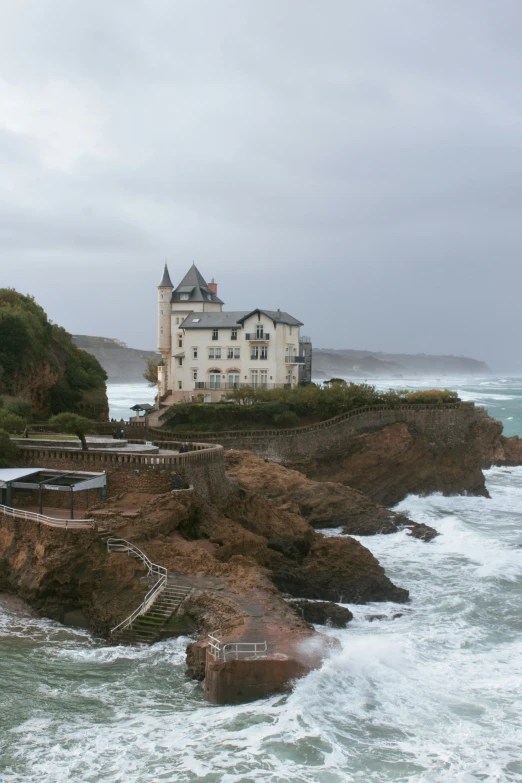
[{"x": 165, "y": 289}]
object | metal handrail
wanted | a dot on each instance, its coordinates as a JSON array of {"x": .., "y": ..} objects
[
  {"x": 122, "y": 545},
  {"x": 235, "y": 650},
  {"x": 18, "y": 513}
]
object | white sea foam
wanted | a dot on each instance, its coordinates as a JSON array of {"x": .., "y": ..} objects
[{"x": 432, "y": 696}]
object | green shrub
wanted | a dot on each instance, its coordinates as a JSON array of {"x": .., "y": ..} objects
[
  {"x": 10, "y": 422},
  {"x": 248, "y": 407},
  {"x": 18, "y": 407},
  {"x": 8, "y": 450},
  {"x": 286, "y": 419},
  {"x": 432, "y": 396}
]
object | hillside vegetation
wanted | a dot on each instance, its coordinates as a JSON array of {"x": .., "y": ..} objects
[
  {"x": 248, "y": 408},
  {"x": 40, "y": 363}
]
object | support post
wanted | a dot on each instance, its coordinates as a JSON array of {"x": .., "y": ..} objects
[
  {"x": 72, "y": 504},
  {"x": 40, "y": 499},
  {"x": 9, "y": 494}
]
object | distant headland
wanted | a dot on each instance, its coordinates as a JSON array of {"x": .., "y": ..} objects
[{"x": 126, "y": 365}]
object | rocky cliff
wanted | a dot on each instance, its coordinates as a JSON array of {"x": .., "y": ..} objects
[
  {"x": 414, "y": 456},
  {"x": 40, "y": 363},
  {"x": 238, "y": 555}
]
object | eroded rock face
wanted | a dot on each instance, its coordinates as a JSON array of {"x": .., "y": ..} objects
[
  {"x": 392, "y": 462},
  {"x": 64, "y": 575},
  {"x": 511, "y": 455},
  {"x": 323, "y": 613},
  {"x": 323, "y": 504},
  {"x": 341, "y": 570}
]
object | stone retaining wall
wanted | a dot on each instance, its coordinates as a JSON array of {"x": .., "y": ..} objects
[
  {"x": 445, "y": 425},
  {"x": 151, "y": 473}
]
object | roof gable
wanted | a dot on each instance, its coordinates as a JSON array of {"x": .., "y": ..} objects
[{"x": 277, "y": 316}]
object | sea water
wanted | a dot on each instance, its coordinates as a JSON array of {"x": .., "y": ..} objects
[{"x": 432, "y": 696}]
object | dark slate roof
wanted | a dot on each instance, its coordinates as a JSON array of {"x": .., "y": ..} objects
[
  {"x": 212, "y": 320},
  {"x": 195, "y": 285},
  {"x": 233, "y": 319},
  {"x": 277, "y": 316},
  {"x": 165, "y": 280}
]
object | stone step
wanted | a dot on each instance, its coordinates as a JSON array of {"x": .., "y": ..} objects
[{"x": 169, "y": 601}]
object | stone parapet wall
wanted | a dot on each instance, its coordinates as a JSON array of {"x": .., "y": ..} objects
[
  {"x": 444, "y": 425},
  {"x": 152, "y": 473}
]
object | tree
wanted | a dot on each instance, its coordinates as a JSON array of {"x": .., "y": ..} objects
[
  {"x": 72, "y": 424},
  {"x": 8, "y": 450},
  {"x": 151, "y": 370}
]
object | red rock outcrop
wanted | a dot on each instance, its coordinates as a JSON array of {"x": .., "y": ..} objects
[
  {"x": 323, "y": 504},
  {"x": 392, "y": 462},
  {"x": 59, "y": 572}
]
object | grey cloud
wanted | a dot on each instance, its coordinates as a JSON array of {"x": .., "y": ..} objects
[{"x": 357, "y": 164}]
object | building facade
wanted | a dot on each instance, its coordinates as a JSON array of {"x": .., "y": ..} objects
[{"x": 207, "y": 351}]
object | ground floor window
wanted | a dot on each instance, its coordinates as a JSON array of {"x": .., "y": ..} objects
[
  {"x": 214, "y": 380},
  {"x": 233, "y": 380},
  {"x": 254, "y": 378}
]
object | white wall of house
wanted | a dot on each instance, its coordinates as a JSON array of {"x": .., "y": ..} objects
[
  {"x": 221, "y": 363},
  {"x": 196, "y": 364}
]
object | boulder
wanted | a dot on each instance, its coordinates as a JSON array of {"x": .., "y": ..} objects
[
  {"x": 422, "y": 531},
  {"x": 341, "y": 570},
  {"x": 323, "y": 613}
]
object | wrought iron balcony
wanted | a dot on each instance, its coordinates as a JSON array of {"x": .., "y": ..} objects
[
  {"x": 295, "y": 359},
  {"x": 225, "y": 385},
  {"x": 254, "y": 337}
]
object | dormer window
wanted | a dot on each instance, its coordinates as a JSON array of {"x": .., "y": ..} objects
[
  {"x": 215, "y": 334},
  {"x": 233, "y": 336},
  {"x": 183, "y": 297}
]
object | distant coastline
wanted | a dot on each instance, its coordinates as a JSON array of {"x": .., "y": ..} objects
[{"x": 126, "y": 365}]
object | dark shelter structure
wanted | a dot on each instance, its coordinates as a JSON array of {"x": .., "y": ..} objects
[{"x": 32, "y": 482}]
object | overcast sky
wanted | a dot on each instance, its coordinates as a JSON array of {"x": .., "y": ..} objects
[{"x": 357, "y": 163}]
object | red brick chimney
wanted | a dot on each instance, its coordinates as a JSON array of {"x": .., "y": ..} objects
[{"x": 213, "y": 286}]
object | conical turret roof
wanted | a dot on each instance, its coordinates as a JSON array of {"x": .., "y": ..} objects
[{"x": 165, "y": 280}]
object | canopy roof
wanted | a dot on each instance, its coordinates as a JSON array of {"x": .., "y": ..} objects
[
  {"x": 15, "y": 474},
  {"x": 28, "y": 478}
]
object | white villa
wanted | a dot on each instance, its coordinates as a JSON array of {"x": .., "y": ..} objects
[{"x": 207, "y": 351}]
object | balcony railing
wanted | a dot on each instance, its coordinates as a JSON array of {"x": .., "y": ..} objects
[
  {"x": 228, "y": 385},
  {"x": 252, "y": 337},
  {"x": 295, "y": 359}
]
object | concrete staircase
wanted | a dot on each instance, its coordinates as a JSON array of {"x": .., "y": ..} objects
[{"x": 148, "y": 627}]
